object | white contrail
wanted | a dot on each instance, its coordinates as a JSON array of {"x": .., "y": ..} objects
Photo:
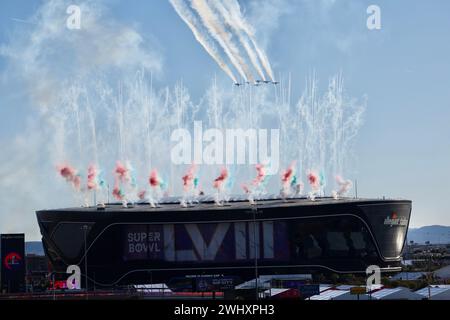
[
  {"x": 235, "y": 22},
  {"x": 235, "y": 10},
  {"x": 184, "y": 12},
  {"x": 22, "y": 21},
  {"x": 215, "y": 28}
]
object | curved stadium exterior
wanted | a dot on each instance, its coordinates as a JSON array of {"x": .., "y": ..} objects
[{"x": 141, "y": 244}]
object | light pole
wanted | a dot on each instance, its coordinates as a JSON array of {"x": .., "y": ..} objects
[
  {"x": 256, "y": 251},
  {"x": 54, "y": 286},
  {"x": 85, "y": 228}
]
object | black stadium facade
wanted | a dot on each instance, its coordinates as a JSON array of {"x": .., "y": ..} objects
[{"x": 140, "y": 244}]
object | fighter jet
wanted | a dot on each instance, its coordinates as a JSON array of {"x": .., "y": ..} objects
[
  {"x": 237, "y": 84},
  {"x": 275, "y": 82}
]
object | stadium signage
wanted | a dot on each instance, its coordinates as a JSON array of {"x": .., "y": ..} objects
[
  {"x": 12, "y": 260},
  {"x": 394, "y": 220},
  {"x": 193, "y": 242}
]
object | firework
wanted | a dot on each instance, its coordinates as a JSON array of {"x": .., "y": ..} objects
[
  {"x": 71, "y": 176},
  {"x": 344, "y": 187},
  {"x": 92, "y": 178},
  {"x": 288, "y": 179}
]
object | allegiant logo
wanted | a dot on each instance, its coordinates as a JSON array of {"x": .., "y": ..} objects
[
  {"x": 394, "y": 220},
  {"x": 12, "y": 260}
]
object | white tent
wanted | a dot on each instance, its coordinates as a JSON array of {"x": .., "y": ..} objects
[
  {"x": 329, "y": 294},
  {"x": 399, "y": 293},
  {"x": 350, "y": 296},
  {"x": 443, "y": 273},
  {"x": 435, "y": 292}
]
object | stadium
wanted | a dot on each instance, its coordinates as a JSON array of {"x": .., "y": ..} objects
[{"x": 141, "y": 244}]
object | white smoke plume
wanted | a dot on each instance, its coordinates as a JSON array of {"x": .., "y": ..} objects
[
  {"x": 236, "y": 22},
  {"x": 92, "y": 102},
  {"x": 228, "y": 27},
  {"x": 241, "y": 23},
  {"x": 222, "y": 36},
  {"x": 56, "y": 69},
  {"x": 344, "y": 187},
  {"x": 184, "y": 12}
]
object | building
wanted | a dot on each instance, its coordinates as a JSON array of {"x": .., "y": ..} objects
[
  {"x": 141, "y": 244},
  {"x": 37, "y": 270}
]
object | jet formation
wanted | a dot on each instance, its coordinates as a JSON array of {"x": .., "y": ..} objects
[{"x": 257, "y": 83}]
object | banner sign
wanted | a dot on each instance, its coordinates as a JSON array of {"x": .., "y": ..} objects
[
  {"x": 207, "y": 242},
  {"x": 215, "y": 283},
  {"x": 12, "y": 262}
]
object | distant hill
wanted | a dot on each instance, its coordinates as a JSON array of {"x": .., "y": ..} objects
[
  {"x": 34, "y": 247},
  {"x": 434, "y": 234}
]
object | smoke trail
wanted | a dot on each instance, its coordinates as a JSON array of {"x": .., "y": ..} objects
[
  {"x": 235, "y": 21},
  {"x": 190, "y": 184},
  {"x": 288, "y": 180},
  {"x": 122, "y": 172},
  {"x": 154, "y": 180},
  {"x": 71, "y": 175},
  {"x": 219, "y": 186},
  {"x": 185, "y": 14},
  {"x": 156, "y": 185},
  {"x": 92, "y": 178},
  {"x": 314, "y": 182},
  {"x": 224, "y": 38},
  {"x": 235, "y": 11},
  {"x": 118, "y": 193},
  {"x": 257, "y": 183},
  {"x": 188, "y": 178},
  {"x": 124, "y": 182},
  {"x": 261, "y": 175},
  {"x": 220, "y": 180}
]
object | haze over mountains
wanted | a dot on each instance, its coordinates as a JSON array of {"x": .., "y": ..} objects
[{"x": 434, "y": 234}]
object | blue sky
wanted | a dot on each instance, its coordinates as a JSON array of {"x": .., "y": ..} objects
[{"x": 403, "y": 148}]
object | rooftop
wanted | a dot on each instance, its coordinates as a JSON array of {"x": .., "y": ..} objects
[{"x": 236, "y": 202}]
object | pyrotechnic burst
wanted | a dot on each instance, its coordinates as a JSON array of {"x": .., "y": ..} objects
[
  {"x": 71, "y": 175},
  {"x": 156, "y": 186},
  {"x": 256, "y": 184},
  {"x": 288, "y": 180},
  {"x": 118, "y": 193},
  {"x": 344, "y": 187},
  {"x": 124, "y": 182},
  {"x": 92, "y": 178},
  {"x": 190, "y": 186},
  {"x": 219, "y": 185},
  {"x": 314, "y": 182}
]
